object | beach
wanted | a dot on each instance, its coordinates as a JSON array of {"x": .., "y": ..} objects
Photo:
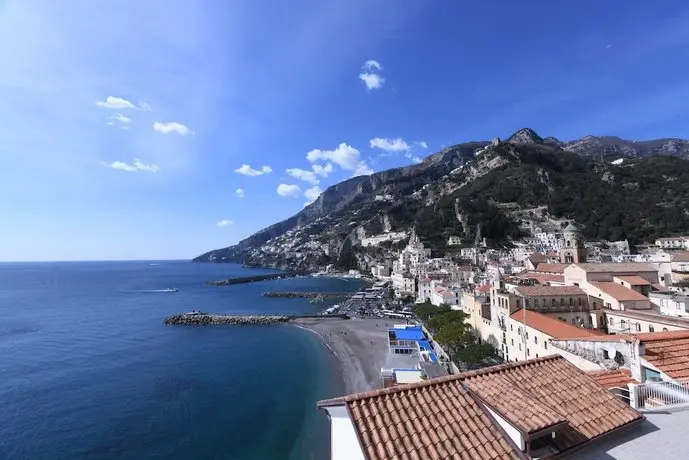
[{"x": 359, "y": 344}]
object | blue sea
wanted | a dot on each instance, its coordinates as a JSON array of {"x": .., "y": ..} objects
[{"x": 89, "y": 371}]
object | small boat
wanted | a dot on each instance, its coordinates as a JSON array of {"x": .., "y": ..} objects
[{"x": 172, "y": 289}]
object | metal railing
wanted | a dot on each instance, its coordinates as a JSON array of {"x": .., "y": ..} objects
[{"x": 661, "y": 395}]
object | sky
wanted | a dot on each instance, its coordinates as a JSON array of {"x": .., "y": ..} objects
[{"x": 159, "y": 129}]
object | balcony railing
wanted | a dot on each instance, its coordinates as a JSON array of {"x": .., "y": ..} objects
[{"x": 660, "y": 395}]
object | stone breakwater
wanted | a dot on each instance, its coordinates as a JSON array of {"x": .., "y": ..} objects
[
  {"x": 205, "y": 319},
  {"x": 251, "y": 279},
  {"x": 307, "y": 295}
]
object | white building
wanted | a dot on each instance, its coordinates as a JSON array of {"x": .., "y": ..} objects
[
  {"x": 673, "y": 242},
  {"x": 670, "y": 304}
]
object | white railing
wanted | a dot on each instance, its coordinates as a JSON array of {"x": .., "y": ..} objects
[{"x": 660, "y": 395}]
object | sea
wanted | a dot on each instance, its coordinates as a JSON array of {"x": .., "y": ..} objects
[{"x": 88, "y": 370}]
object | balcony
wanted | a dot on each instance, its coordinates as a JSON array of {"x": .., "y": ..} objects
[{"x": 660, "y": 395}]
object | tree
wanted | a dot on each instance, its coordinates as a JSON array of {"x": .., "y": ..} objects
[
  {"x": 446, "y": 317},
  {"x": 475, "y": 353},
  {"x": 426, "y": 311},
  {"x": 454, "y": 336}
]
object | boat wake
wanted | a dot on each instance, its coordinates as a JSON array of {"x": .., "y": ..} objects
[{"x": 157, "y": 291}]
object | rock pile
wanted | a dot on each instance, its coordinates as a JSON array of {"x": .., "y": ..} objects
[{"x": 205, "y": 319}]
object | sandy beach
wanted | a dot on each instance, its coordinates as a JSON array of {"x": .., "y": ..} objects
[{"x": 359, "y": 344}]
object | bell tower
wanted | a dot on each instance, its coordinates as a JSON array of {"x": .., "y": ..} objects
[{"x": 572, "y": 249}]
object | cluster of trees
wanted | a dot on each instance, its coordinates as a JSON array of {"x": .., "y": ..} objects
[
  {"x": 450, "y": 328},
  {"x": 639, "y": 200}
]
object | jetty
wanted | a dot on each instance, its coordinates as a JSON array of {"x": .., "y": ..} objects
[
  {"x": 307, "y": 295},
  {"x": 196, "y": 318},
  {"x": 251, "y": 279}
]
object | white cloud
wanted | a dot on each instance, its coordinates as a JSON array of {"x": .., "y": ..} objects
[
  {"x": 413, "y": 158},
  {"x": 112, "y": 102},
  {"x": 422, "y": 144},
  {"x": 247, "y": 170},
  {"x": 224, "y": 223},
  {"x": 302, "y": 174},
  {"x": 145, "y": 107},
  {"x": 120, "y": 120},
  {"x": 239, "y": 192},
  {"x": 313, "y": 175},
  {"x": 370, "y": 76},
  {"x": 362, "y": 169},
  {"x": 172, "y": 127},
  {"x": 289, "y": 190},
  {"x": 372, "y": 65},
  {"x": 323, "y": 171},
  {"x": 313, "y": 193},
  {"x": 346, "y": 156},
  {"x": 390, "y": 145},
  {"x": 136, "y": 166}
]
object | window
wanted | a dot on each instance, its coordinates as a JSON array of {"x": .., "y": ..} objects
[
  {"x": 544, "y": 302},
  {"x": 528, "y": 352},
  {"x": 571, "y": 302},
  {"x": 526, "y": 303},
  {"x": 519, "y": 303},
  {"x": 562, "y": 301},
  {"x": 594, "y": 305},
  {"x": 536, "y": 355},
  {"x": 520, "y": 347},
  {"x": 511, "y": 329},
  {"x": 535, "y": 340},
  {"x": 580, "y": 301},
  {"x": 554, "y": 302},
  {"x": 519, "y": 330},
  {"x": 651, "y": 328},
  {"x": 526, "y": 334},
  {"x": 512, "y": 342},
  {"x": 545, "y": 344},
  {"x": 638, "y": 327},
  {"x": 623, "y": 324},
  {"x": 611, "y": 320}
]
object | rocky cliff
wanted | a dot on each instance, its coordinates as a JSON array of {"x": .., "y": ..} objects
[{"x": 614, "y": 188}]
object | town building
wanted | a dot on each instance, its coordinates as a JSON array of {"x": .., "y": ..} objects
[
  {"x": 572, "y": 248},
  {"x": 670, "y": 303},
  {"x": 454, "y": 241},
  {"x": 673, "y": 242}
]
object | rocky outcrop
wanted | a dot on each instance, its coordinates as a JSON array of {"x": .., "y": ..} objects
[{"x": 206, "y": 319}]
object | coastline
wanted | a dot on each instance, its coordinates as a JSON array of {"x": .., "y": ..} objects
[{"x": 360, "y": 346}]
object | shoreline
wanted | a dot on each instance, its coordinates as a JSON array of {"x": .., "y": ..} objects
[{"x": 360, "y": 346}]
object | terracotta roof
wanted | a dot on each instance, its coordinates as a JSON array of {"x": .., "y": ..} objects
[
  {"x": 681, "y": 257},
  {"x": 537, "y": 258},
  {"x": 625, "y": 267},
  {"x": 434, "y": 419},
  {"x": 669, "y": 353},
  {"x": 660, "y": 288},
  {"x": 642, "y": 337},
  {"x": 634, "y": 280},
  {"x": 617, "y": 291},
  {"x": 551, "y": 326},
  {"x": 443, "y": 418},
  {"x": 554, "y": 291},
  {"x": 617, "y": 378},
  {"x": 551, "y": 268},
  {"x": 484, "y": 288}
]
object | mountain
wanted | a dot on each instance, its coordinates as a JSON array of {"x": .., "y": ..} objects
[{"x": 614, "y": 189}]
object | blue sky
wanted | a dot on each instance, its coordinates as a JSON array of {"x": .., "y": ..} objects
[{"x": 128, "y": 127}]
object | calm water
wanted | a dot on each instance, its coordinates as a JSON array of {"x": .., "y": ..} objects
[{"x": 88, "y": 370}]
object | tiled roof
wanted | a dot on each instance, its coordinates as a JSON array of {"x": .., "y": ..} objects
[
  {"x": 617, "y": 378},
  {"x": 681, "y": 257},
  {"x": 625, "y": 267},
  {"x": 551, "y": 291},
  {"x": 551, "y": 268},
  {"x": 551, "y": 326},
  {"x": 484, "y": 288},
  {"x": 435, "y": 419},
  {"x": 617, "y": 291},
  {"x": 634, "y": 280},
  {"x": 660, "y": 288},
  {"x": 537, "y": 258},
  {"x": 669, "y": 353},
  {"x": 444, "y": 419}
]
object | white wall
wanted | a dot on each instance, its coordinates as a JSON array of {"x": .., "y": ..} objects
[
  {"x": 344, "y": 444},
  {"x": 511, "y": 431}
]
